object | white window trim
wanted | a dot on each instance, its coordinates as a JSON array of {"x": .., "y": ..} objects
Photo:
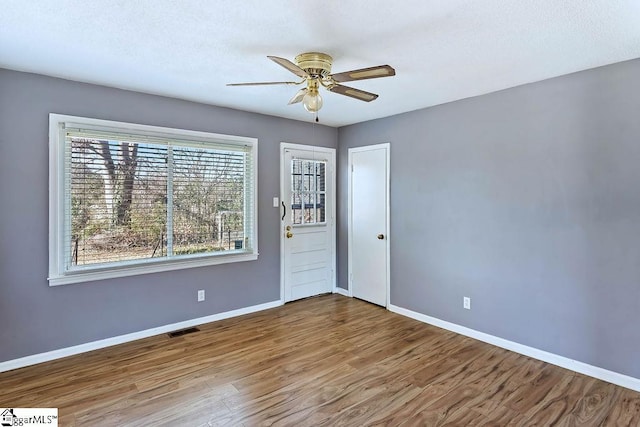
[{"x": 57, "y": 275}]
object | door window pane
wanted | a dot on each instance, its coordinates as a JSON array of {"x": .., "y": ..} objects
[{"x": 308, "y": 192}]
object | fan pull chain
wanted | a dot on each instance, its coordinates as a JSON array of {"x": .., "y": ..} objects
[{"x": 313, "y": 131}]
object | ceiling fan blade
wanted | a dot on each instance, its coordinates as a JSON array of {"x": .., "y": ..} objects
[
  {"x": 263, "y": 83},
  {"x": 298, "y": 96},
  {"x": 353, "y": 93},
  {"x": 289, "y": 66},
  {"x": 364, "y": 73}
]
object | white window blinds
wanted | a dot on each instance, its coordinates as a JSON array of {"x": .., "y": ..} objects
[{"x": 132, "y": 199}]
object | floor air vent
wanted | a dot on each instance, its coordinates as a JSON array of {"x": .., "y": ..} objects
[{"x": 182, "y": 332}]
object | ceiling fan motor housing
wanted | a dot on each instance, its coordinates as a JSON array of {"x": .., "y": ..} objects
[{"x": 315, "y": 63}]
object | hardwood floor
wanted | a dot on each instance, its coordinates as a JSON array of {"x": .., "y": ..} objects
[{"x": 329, "y": 360}]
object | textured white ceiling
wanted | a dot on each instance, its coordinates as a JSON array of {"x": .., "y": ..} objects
[{"x": 442, "y": 50}]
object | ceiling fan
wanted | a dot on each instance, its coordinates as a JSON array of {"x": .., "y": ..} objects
[{"x": 314, "y": 69}]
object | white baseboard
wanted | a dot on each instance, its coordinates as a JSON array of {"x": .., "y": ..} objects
[
  {"x": 108, "y": 342},
  {"x": 564, "y": 362},
  {"x": 341, "y": 291}
]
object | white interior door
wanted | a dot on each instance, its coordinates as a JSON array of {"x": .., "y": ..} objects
[
  {"x": 368, "y": 223},
  {"x": 307, "y": 226}
]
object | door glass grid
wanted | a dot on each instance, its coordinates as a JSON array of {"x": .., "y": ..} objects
[{"x": 308, "y": 191}]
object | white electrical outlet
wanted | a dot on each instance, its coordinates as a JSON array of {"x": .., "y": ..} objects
[
  {"x": 201, "y": 295},
  {"x": 276, "y": 202},
  {"x": 466, "y": 303}
]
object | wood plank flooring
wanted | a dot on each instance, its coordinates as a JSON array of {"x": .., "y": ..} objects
[{"x": 323, "y": 361}]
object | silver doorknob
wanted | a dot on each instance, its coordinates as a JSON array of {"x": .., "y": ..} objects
[{"x": 380, "y": 236}]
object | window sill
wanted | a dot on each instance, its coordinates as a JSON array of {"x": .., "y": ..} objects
[{"x": 111, "y": 273}]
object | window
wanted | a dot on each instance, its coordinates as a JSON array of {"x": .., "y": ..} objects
[
  {"x": 130, "y": 199},
  {"x": 308, "y": 192}
]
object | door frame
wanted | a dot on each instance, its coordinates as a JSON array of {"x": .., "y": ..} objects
[
  {"x": 331, "y": 223},
  {"x": 387, "y": 147}
]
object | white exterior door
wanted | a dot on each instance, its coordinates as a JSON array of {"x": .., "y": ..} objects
[
  {"x": 307, "y": 221},
  {"x": 369, "y": 223}
]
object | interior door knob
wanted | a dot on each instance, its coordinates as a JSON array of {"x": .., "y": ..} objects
[
  {"x": 289, "y": 234},
  {"x": 380, "y": 236}
]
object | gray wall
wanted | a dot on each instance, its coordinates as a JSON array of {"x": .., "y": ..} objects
[
  {"x": 34, "y": 317},
  {"x": 526, "y": 200}
]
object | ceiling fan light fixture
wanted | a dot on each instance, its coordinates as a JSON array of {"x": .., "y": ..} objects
[{"x": 312, "y": 102}]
